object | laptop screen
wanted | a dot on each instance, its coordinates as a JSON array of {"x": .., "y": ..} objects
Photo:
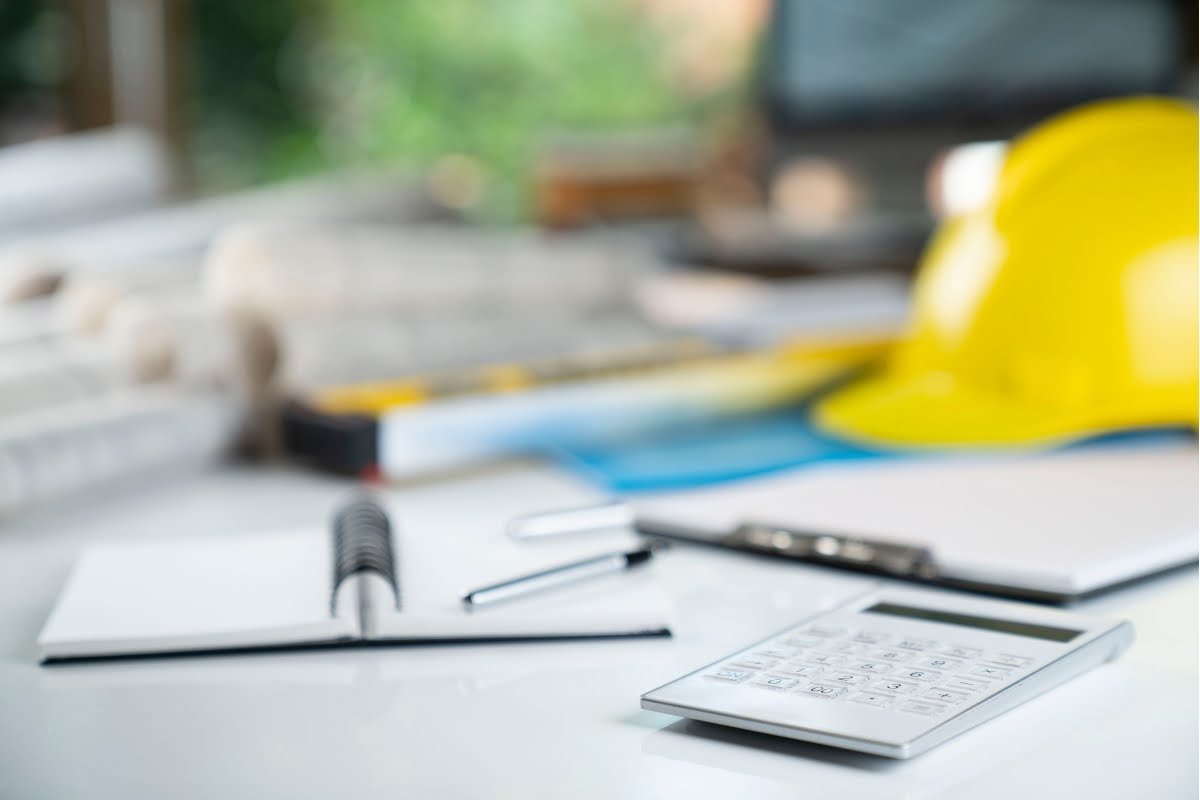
[{"x": 836, "y": 61}]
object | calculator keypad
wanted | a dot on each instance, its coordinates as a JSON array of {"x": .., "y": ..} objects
[{"x": 911, "y": 675}]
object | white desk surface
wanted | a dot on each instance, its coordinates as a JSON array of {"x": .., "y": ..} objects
[{"x": 550, "y": 720}]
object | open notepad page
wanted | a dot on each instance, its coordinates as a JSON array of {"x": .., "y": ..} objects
[
  {"x": 1067, "y": 522},
  {"x": 238, "y": 592},
  {"x": 436, "y": 572},
  {"x": 270, "y": 590}
]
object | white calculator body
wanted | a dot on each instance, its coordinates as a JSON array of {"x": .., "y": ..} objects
[{"x": 896, "y": 672}]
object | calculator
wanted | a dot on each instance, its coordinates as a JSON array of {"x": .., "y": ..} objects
[{"x": 895, "y": 672}]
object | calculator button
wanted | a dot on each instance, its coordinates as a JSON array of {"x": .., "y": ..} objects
[
  {"x": 895, "y": 656},
  {"x": 823, "y": 690},
  {"x": 919, "y": 707},
  {"x": 923, "y": 675},
  {"x": 754, "y": 662},
  {"x": 871, "y": 637},
  {"x": 874, "y": 698},
  {"x": 937, "y": 662},
  {"x": 775, "y": 651},
  {"x": 956, "y": 651},
  {"x": 824, "y": 631},
  {"x": 775, "y": 682},
  {"x": 807, "y": 670},
  {"x": 984, "y": 671},
  {"x": 960, "y": 683},
  {"x": 900, "y": 687},
  {"x": 846, "y": 678},
  {"x": 801, "y": 641},
  {"x": 945, "y": 695},
  {"x": 916, "y": 644},
  {"x": 874, "y": 667},
  {"x": 828, "y": 659},
  {"x": 848, "y": 648},
  {"x": 1009, "y": 661},
  {"x": 731, "y": 675}
]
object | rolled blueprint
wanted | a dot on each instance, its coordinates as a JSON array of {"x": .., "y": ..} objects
[
  {"x": 80, "y": 177},
  {"x": 100, "y": 441},
  {"x": 183, "y": 232},
  {"x": 86, "y": 298},
  {"x": 309, "y": 353},
  {"x": 170, "y": 333},
  {"x": 43, "y": 374},
  {"x": 276, "y": 272}
]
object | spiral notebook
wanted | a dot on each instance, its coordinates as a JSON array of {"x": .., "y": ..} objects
[{"x": 357, "y": 586}]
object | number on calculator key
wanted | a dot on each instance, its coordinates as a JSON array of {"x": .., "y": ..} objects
[
  {"x": 808, "y": 670},
  {"x": 828, "y": 659},
  {"x": 899, "y": 687},
  {"x": 822, "y": 690},
  {"x": 937, "y": 662},
  {"x": 846, "y": 678},
  {"x": 874, "y": 667}
]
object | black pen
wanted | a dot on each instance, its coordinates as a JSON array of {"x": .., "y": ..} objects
[{"x": 559, "y": 576}]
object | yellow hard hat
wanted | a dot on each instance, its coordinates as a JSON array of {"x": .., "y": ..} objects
[{"x": 1065, "y": 307}]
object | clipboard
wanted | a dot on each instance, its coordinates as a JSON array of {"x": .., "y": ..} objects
[{"x": 1050, "y": 527}]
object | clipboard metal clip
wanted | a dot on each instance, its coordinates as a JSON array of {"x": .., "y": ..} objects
[{"x": 890, "y": 558}]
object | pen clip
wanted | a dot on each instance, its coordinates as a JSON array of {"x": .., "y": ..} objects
[{"x": 890, "y": 558}]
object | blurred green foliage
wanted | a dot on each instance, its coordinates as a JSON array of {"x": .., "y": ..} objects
[
  {"x": 284, "y": 88},
  {"x": 17, "y": 18},
  {"x": 32, "y": 66},
  {"x": 249, "y": 118}
]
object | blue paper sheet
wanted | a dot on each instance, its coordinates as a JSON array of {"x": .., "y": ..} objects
[{"x": 730, "y": 449}]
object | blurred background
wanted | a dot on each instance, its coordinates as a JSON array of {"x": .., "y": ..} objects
[
  {"x": 245, "y": 94},
  {"x": 279, "y": 224}
]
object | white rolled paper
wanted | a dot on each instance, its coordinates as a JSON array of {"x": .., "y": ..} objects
[
  {"x": 275, "y": 272},
  {"x": 98, "y": 441}
]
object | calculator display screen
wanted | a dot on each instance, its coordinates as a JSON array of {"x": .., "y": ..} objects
[{"x": 967, "y": 620}]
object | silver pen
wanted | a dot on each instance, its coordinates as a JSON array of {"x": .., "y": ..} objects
[{"x": 559, "y": 576}]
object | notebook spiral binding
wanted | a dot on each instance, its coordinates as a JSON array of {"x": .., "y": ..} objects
[{"x": 362, "y": 541}]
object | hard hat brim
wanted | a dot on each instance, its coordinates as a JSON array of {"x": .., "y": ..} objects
[{"x": 931, "y": 411}]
